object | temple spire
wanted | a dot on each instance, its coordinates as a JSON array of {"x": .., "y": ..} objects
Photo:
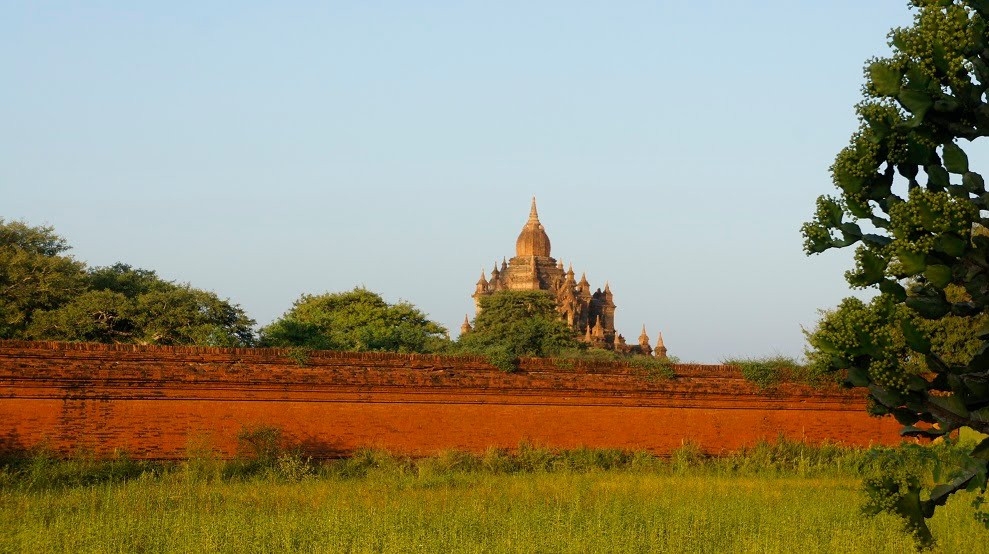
[
  {"x": 660, "y": 350},
  {"x": 533, "y": 214},
  {"x": 465, "y": 328}
]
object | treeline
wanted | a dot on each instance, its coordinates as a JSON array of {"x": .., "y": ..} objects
[{"x": 46, "y": 294}]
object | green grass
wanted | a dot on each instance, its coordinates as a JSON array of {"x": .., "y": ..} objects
[
  {"x": 782, "y": 498},
  {"x": 769, "y": 371}
]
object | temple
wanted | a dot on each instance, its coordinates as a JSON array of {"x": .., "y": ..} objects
[{"x": 592, "y": 315}]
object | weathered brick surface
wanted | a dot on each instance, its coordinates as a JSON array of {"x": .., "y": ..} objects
[{"x": 158, "y": 402}]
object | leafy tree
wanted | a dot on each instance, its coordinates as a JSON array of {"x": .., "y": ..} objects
[
  {"x": 512, "y": 324},
  {"x": 124, "y": 304},
  {"x": 35, "y": 274},
  {"x": 357, "y": 320},
  {"x": 913, "y": 231},
  {"x": 953, "y": 338}
]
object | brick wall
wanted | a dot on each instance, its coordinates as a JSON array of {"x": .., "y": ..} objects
[{"x": 160, "y": 402}]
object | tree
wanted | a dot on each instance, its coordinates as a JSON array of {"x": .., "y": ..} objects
[
  {"x": 34, "y": 275},
  {"x": 914, "y": 236},
  {"x": 953, "y": 338},
  {"x": 124, "y": 304},
  {"x": 357, "y": 320},
  {"x": 512, "y": 324}
]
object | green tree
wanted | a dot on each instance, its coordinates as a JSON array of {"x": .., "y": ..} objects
[
  {"x": 953, "y": 338},
  {"x": 35, "y": 274},
  {"x": 357, "y": 320},
  {"x": 124, "y": 304},
  {"x": 909, "y": 201},
  {"x": 513, "y": 324}
]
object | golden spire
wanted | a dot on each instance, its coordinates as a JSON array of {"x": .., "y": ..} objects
[
  {"x": 533, "y": 240},
  {"x": 660, "y": 350}
]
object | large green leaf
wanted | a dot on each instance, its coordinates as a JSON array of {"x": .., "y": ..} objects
[
  {"x": 950, "y": 245},
  {"x": 886, "y": 397},
  {"x": 885, "y": 78},
  {"x": 938, "y": 275},
  {"x": 955, "y": 159},
  {"x": 974, "y": 182},
  {"x": 893, "y": 289},
  {"x": 851, "y": 230},
  {"x": 913, "y": 263},
  {"x": 950, "y": 403},
  {"x": 857, "y": 377},
  {"x": 915, "y": 337},
  {"x": 905, "y": 417},
  {"x": 917, "y": 102},
  {"x": 937, "y": 177},
  {"x": 852, "y": 184},
  {"x": 873, "y": 268},
  {"x": 929, "y": 307}
]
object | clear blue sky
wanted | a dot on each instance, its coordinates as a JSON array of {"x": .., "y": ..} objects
[{"x": 263, "y": 150}]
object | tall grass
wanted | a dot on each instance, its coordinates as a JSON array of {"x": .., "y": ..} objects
[
  {"x": 780, "y": 497},
  {"x": 769, "y": 371}
]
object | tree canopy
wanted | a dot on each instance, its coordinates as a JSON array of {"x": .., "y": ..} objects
[
  {"x": 909, "y": 202},
  {"x": 35, "y": 274},
  {"x": 519, "y": 323},
  {"x": 124, "y": 304},
  {"x": 45, "y": 294},
  {"x": 357, "y": 320}
]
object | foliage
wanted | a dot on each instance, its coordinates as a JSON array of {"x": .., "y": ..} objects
[
  {"x": 515, "y": 324},
  {"x": 914, "y": 237},
  {"x": 357, "y": 320},
  {"x": 953, "y": 338},
  {"x": 650, "y": 367},
  {"x": 770, "y": 371},
  {"x": 124, "y": 304},
  {"x": 45, "y": 294},
  {"x": 35, "y": 274},
  {"x": 265, "y": 449}
]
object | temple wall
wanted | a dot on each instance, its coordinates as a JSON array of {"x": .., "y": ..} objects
[{"x": 162, "y": 402}]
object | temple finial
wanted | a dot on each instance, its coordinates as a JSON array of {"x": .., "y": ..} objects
[{"x": 533, "y": 214}]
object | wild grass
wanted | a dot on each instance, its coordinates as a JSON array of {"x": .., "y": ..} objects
[
  {"x": 781, "y": 497},
  {"x": 768, "y": 371}
]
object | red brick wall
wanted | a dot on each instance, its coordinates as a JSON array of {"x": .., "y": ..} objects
[{"x": 158, "y": 402}]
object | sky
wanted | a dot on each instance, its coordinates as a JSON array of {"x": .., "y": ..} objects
[{"x": 263, "y": 150}]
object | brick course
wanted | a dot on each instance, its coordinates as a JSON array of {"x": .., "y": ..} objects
[{"x": 158, "y": 402}]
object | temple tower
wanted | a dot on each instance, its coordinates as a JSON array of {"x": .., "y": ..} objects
[{"x": 591, "y": 315}]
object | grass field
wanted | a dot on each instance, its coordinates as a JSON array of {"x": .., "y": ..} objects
[{"x": 780, "y": 499}]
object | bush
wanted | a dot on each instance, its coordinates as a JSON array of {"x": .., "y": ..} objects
[{"x": 770, "y": 371}]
